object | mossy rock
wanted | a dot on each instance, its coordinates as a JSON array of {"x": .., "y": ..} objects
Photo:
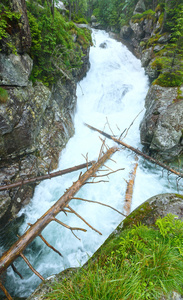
[{"x": 147, "y": 213}]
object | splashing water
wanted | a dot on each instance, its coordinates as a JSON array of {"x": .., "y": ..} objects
[{"x": 109, "y": 97}]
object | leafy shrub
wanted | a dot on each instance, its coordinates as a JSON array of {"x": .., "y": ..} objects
[
  {"x": 8, "y": 20},
  {"x": 53, "y": 50},
  {"x": 148, "y": 14}
]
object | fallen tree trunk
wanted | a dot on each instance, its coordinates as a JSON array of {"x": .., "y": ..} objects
[
  {"x": 151, "y": 159},
  {"x": 129, "y": 190},
  {"x": 17, "y": 248},
  {"x": 46, "y": 176}
]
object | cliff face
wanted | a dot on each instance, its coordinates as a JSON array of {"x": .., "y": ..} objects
[
  {"x": 162, "y": 125},
  {"x": 35, "y": 125}
]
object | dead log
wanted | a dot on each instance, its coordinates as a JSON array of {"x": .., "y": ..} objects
[
  {"x": 5, "y": 292},
  {"x": 129, "y": 189},
  {"x": 151, "y": 159},
  {"x": 46, "y": 176},
  {"x": 18, "y": 247}
]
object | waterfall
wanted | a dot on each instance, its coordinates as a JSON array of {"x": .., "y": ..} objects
[{"x": 110, "y": 97}]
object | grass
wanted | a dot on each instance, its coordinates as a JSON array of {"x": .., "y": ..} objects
[
  {"x": 147, "y": 263},
  {"x": 3, "y": 95}
]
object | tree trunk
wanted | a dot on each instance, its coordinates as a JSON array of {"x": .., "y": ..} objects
[
  {"x": 43, "y": 177},
  {"x": 138, "y": 152},
  {"x": 16, "y": 250},
  {"x": 129, "y": 189}
]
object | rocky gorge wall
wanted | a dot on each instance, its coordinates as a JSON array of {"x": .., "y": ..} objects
[
  {"x": 35, "y": 125},
  {"x": 162, "y": 125}
]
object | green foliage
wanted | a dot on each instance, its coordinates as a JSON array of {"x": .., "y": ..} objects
[
  {"x": 148, "y": 14},
  {"x": 53, "y": 50},
  {"x": 8, "y": 20},
  {"x": 80, "y": 20},
  {"x": 146, "y": 263},
  {"x": 3, "y": 95}
]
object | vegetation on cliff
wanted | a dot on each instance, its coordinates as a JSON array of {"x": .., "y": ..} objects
[
  {"x": 54, "y": 50},
  {"x": 58, "y": 45},
  {"x": 142, "y": 263},
  {"x": 166, "y": 19}
]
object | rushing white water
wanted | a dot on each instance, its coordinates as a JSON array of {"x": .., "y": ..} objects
[{"x": 112, "y": 93}]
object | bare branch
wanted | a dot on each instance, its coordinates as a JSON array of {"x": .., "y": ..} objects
[
  {"x": 109, "y": 126},
  {"x": 31, "y": 267},
  {"x": 89, "y": 182},
  {"x": 73, "y": 211},
  {"x": 16, "y": 271},
  {"x": 76, "y": 198},
  {"x": 131, "y": 124},
  {"x": 46, "y": 176},
  {"x": 47, "y": 244},
  {"x": 67, "y": 226},
  {"x": 110, "y": 173},
  {"x": 5, "y": 292},
  {"x": 138, "y": 152}
]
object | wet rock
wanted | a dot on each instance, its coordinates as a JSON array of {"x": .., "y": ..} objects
[
  {"x": 15, "y": 69},
  {"x": 161, "y": 127},
  {"x": 103, "y": 45}
]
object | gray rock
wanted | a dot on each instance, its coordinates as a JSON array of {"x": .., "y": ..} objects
[
  {"x": 164, "y": 38},
  {"x": 126, "y": 32},
  {"x": 93, "y": 18},
  {"x": 140, "y": 7},
  {"x": 148, "y": 27},
  {"x": 151, "y": 71},
  {"x": 146, "y": 56},
  {"x": 103, "y": 45},
  {"x": 168, "y": 132},
  {"x": 158, "y": 48},
  {"x": 15, "y": 69},
  {"x": 162, "y": 125},
  {"x": 138, "y": 30}
]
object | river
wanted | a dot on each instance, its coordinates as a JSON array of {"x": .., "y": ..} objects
[{"x": 110, "y": 97}]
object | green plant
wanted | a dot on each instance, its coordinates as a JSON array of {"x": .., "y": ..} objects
[
  {"x": 3, "y": 95},
  {"x": 53, "y": 50},
  {"x": 148, "y": 14},
  {"x": 143, "y": 263},
  {"x": 8, "y": 20}
]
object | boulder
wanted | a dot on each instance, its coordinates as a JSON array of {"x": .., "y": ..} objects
[
  {"x": 15, "y": 69},
  {"x": 126, "y": 32},
  {"x": 93, "y": 18},
  {"x": 162, "y": 124},
  {"x": 140, "y": 7}
]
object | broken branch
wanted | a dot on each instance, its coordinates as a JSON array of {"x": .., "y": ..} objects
[
  {"x": 47, "y": 244},
  {"x": 17, "y": 248},
  {"x": 31, "y": 267},
  {"x": 73, "y": 211},
  {"x": 151, "y": 159},
  {"x": 76, "y": 198},
  {"x": 46, "y": 176},
  {"x": 69, "y": 227},
  {"x": 129, "y": 189}
]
